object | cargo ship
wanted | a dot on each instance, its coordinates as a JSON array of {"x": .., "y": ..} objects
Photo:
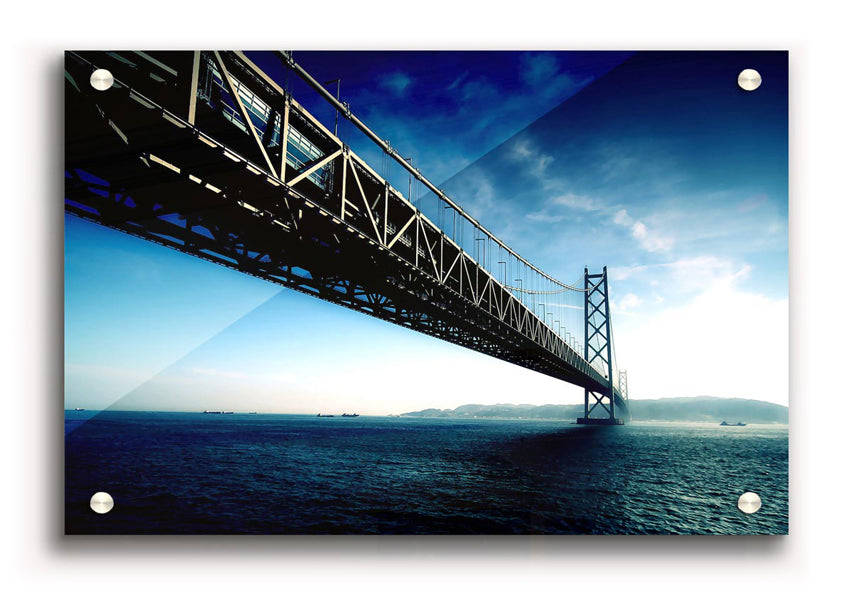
[{"x": 738, "y": 424}]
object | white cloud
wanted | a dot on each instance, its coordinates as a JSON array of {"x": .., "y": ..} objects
[
  {"x": 575, "y": 201},
  {"x": 685, "y": 276},
  {"x": 621, "y": 217},
  {"x": 475, "y": 191},
  {"x": 544, "y": 216},
  {"x": 535, "y": 161},
  {"x": 639, "y": 230},
  {"x": 629, "y": 301},
  {"x": 649, "y": 240},
  {"x": 622, "y": 273},
  {"x": 725, "y": 342},
  {"x": 700, "y": 272},
  {"x": 554, "y": 213}
]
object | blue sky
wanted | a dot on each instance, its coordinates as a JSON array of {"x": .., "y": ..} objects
[
  {"x": 442, "y": 109},
  {"x": 654, "y": 164}
]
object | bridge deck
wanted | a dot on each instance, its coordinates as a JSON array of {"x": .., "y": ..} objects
[{"x": 316, "y": 218}]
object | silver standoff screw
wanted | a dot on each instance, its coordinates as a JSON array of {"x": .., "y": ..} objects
[{"x": 101, "y": 80}]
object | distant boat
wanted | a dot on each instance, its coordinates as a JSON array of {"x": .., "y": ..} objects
[
  {"x": 348, "y": 415},
  {"x": 212, "y": 412},
  {"x": 738, "y": 424},
  {"x": 79, "y": 409},
  {"x": 227, "y": 412},
  {"x": 321, "y": 415},
  {"x": 253, "y": 412}
]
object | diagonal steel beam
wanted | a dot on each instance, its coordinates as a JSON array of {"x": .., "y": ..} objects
[
  {"x": 401, "y": 231},
  {"x": 193, "y": 97},
  {"x": 317, "y": 165},
  {"x": 225, "y": 75},
  {"x": 366, "y": 204},
  {"x": 430, "y": 252},
  {"x": 449, "y": 270},
  {"x": 284, "y": 137}
]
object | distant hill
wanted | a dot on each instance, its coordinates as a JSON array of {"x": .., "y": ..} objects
[
  {"x": 701, "y": 408},
  {"x": 709, "y": 408}
]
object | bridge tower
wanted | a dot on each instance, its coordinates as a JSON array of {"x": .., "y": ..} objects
[
  {"x": 598, "y": 348},
  {"x": 624, "y": 384}
]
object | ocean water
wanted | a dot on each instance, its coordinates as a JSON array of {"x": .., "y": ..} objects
[{"x": 284, "y": 474}]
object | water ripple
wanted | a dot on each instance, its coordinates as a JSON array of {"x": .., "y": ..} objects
[{"x": 182, "y": 473}]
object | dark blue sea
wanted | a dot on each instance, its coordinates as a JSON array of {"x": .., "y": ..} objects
[{"x": 284, "y": 474}]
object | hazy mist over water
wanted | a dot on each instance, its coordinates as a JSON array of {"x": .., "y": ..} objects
[{"x": 196, "y": 473}]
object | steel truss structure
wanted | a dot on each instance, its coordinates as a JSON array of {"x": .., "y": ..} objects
[
  {"x": 204, "y": 153},
  {"x": 598, "y": 347}
]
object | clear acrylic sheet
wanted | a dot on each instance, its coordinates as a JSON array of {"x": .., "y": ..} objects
[{"x": 406, "y": 321}]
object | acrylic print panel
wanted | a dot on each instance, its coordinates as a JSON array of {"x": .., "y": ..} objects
[{"x": 426, "y": 292}]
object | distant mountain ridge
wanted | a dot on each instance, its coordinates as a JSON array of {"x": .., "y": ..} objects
[{"x": 708, "y": 409}]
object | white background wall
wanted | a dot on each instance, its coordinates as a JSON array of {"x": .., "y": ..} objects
[{"x": 39, "y": 561}]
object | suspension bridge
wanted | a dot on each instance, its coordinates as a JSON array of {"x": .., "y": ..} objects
[{"x": 204, "y": 152}]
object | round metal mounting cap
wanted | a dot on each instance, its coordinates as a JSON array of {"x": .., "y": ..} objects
[
  {"x": 749, "y": 503},
  {"x": 101, "y": 80},
  {"x": 749, "y": 80},
  {"x": 101, "y": 503}
]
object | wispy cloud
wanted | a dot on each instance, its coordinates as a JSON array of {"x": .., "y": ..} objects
[
  {"x": 477, "y": 90},
  {"x": 545, "y": 216},
  {"x": 561, "y": 207},
  {"x": 650, "y": 240},
  {"x": 539, "y": 67},
  {"x": 532, "y": 159},
  {"x": 398, "y": 83},
  {"x": 475, "y": 191},
  {"x": 684, "y": 276},
  {"x": 484, "y": 105},
  {"x": 543, "y": 72},
  {"x": 627, "y": 302},
  {"x": 575, "y": 201},
  {"x": 621, "y": 217},
  {"x": 457, "y": 81},
  {"x": 563, "y": 202}
]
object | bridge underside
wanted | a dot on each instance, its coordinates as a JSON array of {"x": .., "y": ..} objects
[{"x": 129, "y": 167}]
